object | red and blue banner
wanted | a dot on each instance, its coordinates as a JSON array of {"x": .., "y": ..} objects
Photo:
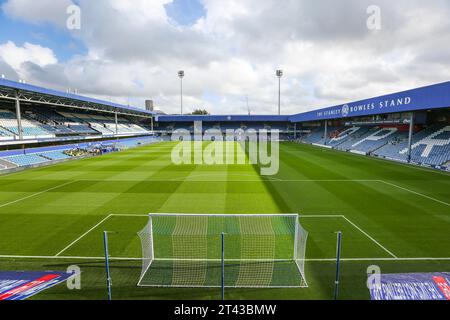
[
  {"x": 22, "y": 285},
  {"x": 411, "y": 286}
]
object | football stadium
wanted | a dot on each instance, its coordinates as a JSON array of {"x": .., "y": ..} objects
[
  {"x": 374, "y": 170},
  {"x": 330, "y": 198}
]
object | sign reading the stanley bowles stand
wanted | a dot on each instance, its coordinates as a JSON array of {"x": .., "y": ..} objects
[{"x": 412, "y": 286}]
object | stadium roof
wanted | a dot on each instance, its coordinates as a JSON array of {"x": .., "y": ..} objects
[
  {"x": 221, "y": 118},
  {"x": 425, "y": 98},
  {"x": 35, "y": 94}
]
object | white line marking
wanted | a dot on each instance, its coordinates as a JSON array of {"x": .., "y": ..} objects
[
  {"x": 300, "y": 216},
  {"x": 384, "y": 259},
  {"x": 225, "y": 175},
  {"x": 36, "y": 194},
  {"x": 354, "y": 225},
  {"x": 415, "y": 192},
  {"x": 320, "y": 216},
  {"x": 229, "y": 260},
  {"x": 128, "y": 215},
  {"x": 377, "y": 259},
  {"x": 326, "y": 180},
  {"x": 368, "y": 236},
  {"x": 307, "y": 260},
  {"x": 66, "y": 257},
  {"x": 77, "y": 239},
  {"x": 231, "y": 180},
  {"x": 392, "y": 161},
  {"x": 58, "y": 256}
]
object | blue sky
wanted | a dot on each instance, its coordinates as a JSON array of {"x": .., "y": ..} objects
[
  {"x": 185, "y": 12},
  {"x": 45, "y": 34}
]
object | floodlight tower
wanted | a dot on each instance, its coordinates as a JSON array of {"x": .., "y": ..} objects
[
  {"x": 279, "y": 74},
  {"x": 181, "y": 76}
]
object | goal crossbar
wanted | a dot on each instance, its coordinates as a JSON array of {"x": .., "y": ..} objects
[{"x": 224, "y": 214}]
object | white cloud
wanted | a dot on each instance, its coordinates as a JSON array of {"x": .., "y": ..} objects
[
  {"x": 15, "y": 56},
  {"x": 39, "y": 11},
  {"x": 139, "y": 12},
  {"x": 328, "y": 54}
]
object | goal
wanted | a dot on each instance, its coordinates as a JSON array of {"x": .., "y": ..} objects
[{"x": 229, "y": 250}]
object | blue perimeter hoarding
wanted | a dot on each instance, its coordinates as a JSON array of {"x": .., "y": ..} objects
[
  {"x": 412, "y": 286},
  {"x": 18, "y": 285}
]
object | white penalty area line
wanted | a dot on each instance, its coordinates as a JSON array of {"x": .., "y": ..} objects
[
  {"x": 84, "y": 234},
  {"x": 257, "y": 179},
  {"x": 95, "y": 226},
  {"x": 414, "y": 192},
  {"x": 266, "y": 179},
  {"x": 319, "y": 216},
  {"x": 377, "y": 259},
  {"x": 355, "y": 226},
  {"x": 356, "y": 180},
  {"x": 394, "y": 257},
  {"x": 128, "y": 215},
  {"x": 368, "y": 236},
  {"x": 37, "y": 193},
  {"x": 300, "y": 216}
]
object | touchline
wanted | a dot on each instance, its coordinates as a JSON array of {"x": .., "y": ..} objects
[{"x": 222, "y": 149}]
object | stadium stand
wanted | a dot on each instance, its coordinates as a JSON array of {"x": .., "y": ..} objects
[
  {"x": 354, "y": 137},
  {"x": 447, "y": 165},
  {"x": 103, "y": 124},
  {"x": 374, "y": 139},
  {"x": 30, "y": 128},
  {"x": 48, "y": 123},
  {"x": 314, "y": 136},
  {"x": 341, "y": 135},
  {"x": 169, "y": 127},
  {"x": 26, "y": 159},
  {"x": 382, "y": 135},
  {"x": 50, "y": 120},
  {"x": 430, "y": 146},
  {"x": 38, "y": 156},
  {"x": 433, "y": 148},
  {"x": 5, "y": 134},
  {"x": 55, "y": 155}
]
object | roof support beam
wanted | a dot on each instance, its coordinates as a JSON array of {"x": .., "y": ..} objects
[
  {"x": 19, "y": 118},
  {"x": 61, "y": 104},
  {"x": 115, "y": 120},
  {"x": 410, "y": 136}
]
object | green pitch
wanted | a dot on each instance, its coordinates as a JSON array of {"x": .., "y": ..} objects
[{"x": 391, "y": 215}]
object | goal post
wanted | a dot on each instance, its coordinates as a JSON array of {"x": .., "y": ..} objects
[{"x": 261, "y": 251}]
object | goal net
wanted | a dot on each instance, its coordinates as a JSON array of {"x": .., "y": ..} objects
[{"x": 259, "y": 251}]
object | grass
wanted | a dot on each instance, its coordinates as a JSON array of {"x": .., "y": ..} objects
[{"x": 391, "y": 215}]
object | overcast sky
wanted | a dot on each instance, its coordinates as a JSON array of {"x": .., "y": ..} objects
[{"x": 130, "y": 50}]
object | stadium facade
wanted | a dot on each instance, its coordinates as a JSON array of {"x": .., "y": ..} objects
[{"x": 39, "y": 125}]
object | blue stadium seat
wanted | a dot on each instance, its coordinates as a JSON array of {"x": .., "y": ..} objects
[
  {"x": 429, "y": 146},
  {"x": 55, "y": 155},
  {"x": 26, "y": 159}
]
